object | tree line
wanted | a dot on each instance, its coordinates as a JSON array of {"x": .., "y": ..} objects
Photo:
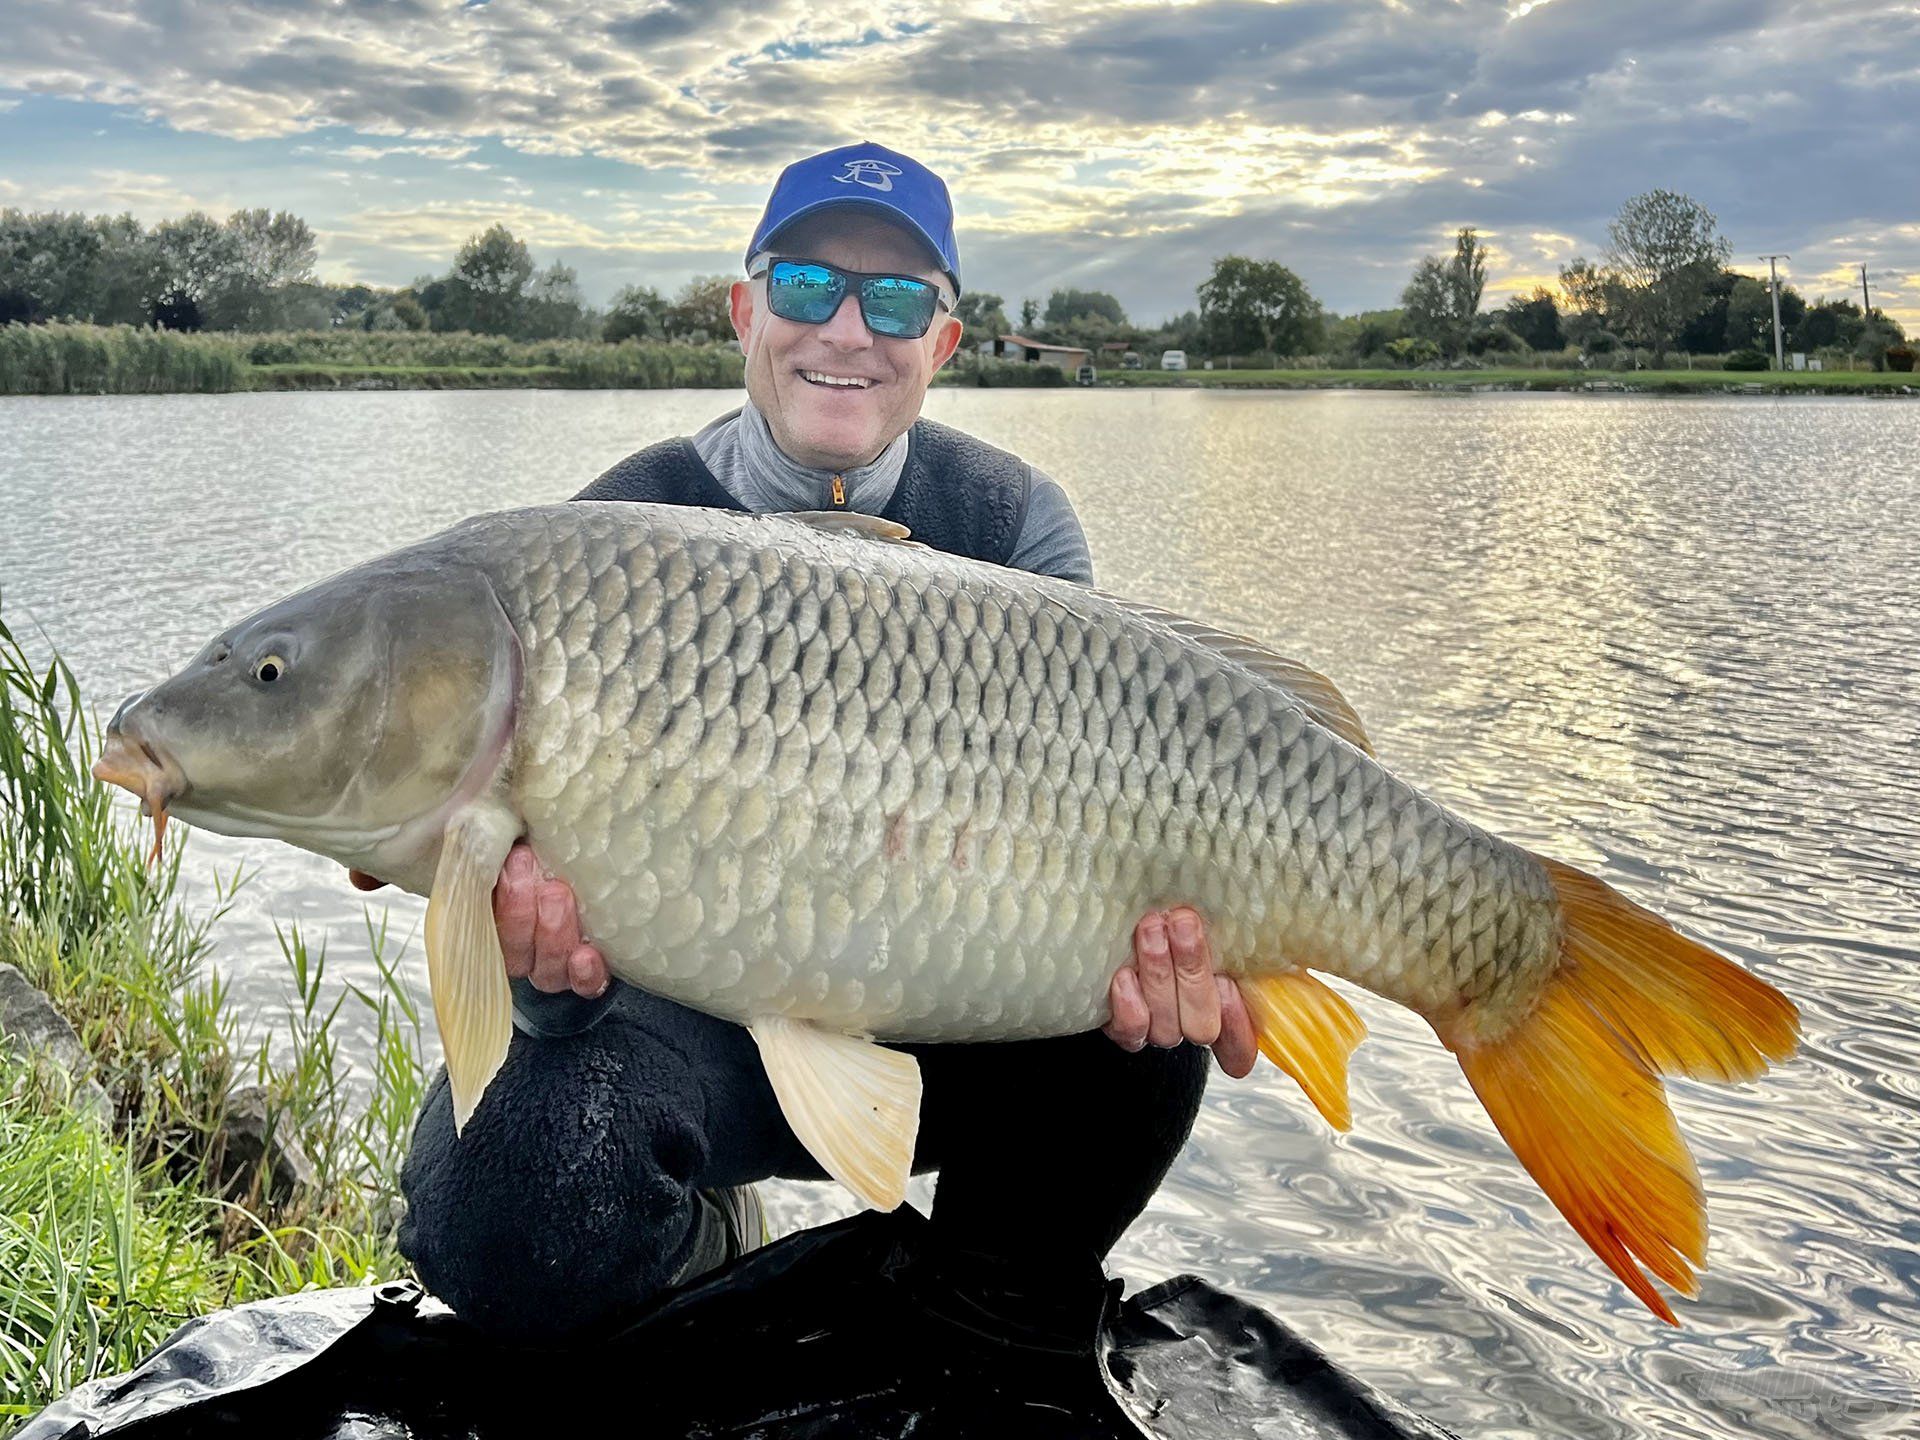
[
  {"x": 254, "y": 272},
  {"x": 1661, "y": 284}
]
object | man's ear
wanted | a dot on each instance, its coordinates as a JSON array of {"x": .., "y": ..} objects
[
  {"x": 948, "y": 341},
  {"x": 740, "y": 307}
]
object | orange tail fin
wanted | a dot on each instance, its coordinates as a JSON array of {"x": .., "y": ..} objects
[{"x": 1575, "y": 1086}]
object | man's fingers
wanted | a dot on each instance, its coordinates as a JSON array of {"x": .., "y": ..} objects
[
  {"x": 1128, "y": 1027},
  {"x": 513, "y": 909},
  {"x": 1153, "y": 958},
  {"x": 1193, "y": 977},
  {"x": 1236, "y": 1049},
  {"x": 587, "y": 971},
  {"x": 556, "y": 935}
]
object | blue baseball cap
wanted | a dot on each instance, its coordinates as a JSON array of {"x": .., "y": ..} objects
[{"x": 870, "y": 177}]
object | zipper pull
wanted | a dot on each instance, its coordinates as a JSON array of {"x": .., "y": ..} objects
[{"x": 839, "y": 492}]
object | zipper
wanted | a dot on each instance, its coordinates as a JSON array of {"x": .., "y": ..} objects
[{"x": 839, "y": 493}]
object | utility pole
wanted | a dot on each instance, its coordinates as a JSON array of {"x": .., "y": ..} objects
[
  {"x": 1773, "y": 285},
  {"x": 1866, "y": 301}
]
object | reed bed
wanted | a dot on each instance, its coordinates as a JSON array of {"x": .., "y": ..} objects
[
  {"x": 113, "y": 1234},
  {"x": 62, "y": 359}
]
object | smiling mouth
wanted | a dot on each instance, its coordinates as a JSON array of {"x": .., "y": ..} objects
[{"x": 835, "y": 382}]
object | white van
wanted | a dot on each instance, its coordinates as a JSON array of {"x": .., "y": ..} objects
[{"x": 1173, "y": 359}]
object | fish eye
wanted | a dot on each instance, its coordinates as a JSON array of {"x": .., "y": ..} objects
[{"x": 269, "y": 668}]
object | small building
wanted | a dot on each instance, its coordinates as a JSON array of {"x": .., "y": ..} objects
[{"x": 1037, "y": 352}]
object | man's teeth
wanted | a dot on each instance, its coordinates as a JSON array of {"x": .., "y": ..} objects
[{"x": 853, "y": 382}]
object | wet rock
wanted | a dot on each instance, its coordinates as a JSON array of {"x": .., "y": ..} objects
[
  {"x": 31, "y": 1025},
  {"x": 254, "y": 1140}
]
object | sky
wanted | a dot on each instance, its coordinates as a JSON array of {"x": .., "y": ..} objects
[{"x": 1103, "y": 144}]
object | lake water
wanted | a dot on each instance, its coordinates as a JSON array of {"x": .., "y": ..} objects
[{"x": 1675, "y": 641}]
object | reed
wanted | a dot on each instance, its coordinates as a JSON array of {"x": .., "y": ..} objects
[
  {"x": 63, "y": 359},
  {"x": 110, "y": 1237}
]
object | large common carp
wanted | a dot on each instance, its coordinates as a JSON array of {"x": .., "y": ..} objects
[{"x": 806, "y": 775}]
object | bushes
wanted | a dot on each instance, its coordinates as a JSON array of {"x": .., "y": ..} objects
[
  {"x": 1412, "y": 351},
  {"x": 1748, "y": 360},
  {"x": 1900, "y": 357},
  {"x": 990, "y": 373}
]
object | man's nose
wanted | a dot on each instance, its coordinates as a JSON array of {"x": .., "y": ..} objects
[{"x": 847, "y": 330}]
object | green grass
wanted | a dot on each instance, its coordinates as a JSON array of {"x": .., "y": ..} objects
[
  {"x": 301, "y": 376},
  {"x": 110, "y": 1238},
  {"x": 1842, "y": 382}
]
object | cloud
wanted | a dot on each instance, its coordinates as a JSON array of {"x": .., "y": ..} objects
[
  {"x": 147, "y": 197},
  {"x": 1116, "y": 142}
]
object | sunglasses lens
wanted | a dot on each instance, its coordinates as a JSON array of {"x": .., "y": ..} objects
[
  {"x": 808, "y": 294},
  {"x": 899, "y": 308}
]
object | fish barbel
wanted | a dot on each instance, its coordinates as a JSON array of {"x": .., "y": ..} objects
[{"x": 807, "y": 775}]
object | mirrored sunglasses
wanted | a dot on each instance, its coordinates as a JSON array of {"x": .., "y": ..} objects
[{"x": 810, "y": 292}]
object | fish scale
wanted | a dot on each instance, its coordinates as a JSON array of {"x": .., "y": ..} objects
[{"x": 920, "y": 762}]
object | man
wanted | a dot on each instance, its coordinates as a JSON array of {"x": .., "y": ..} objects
[{"x": 613, "y": 1155}]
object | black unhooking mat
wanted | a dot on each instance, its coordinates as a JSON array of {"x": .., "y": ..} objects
[{"x": 858, "y": 1329}]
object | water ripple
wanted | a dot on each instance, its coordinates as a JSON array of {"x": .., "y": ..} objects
[{"x": 1672, "y": 640}]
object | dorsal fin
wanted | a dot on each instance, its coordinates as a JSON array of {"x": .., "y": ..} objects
[
  {"x": 1319, "y": 695},
  {"x": 851, "y": 522}
]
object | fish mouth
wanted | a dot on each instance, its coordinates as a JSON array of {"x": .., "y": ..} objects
[{"x": 134, "y": 765}]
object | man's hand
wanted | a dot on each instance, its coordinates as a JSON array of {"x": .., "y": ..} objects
[
  {"x": 539, "y": 923},
  {"x": 1170, "y": 994}
]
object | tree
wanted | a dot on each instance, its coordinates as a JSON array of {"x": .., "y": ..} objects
[
  {"x": 52, "y": 265},
  {"x": 1827, "y": 323},
  {"x": 1444, "y": 294},
  {"x": 1248, "y": 305},
  {"x": 1355, "y": 338},
  {"x": 1066, "y": 306},
  {"x": 194, "y": 258},
  {"x": 1536, "y": 319},
  {"x": 554, "y": 307},
  {"x": 1750, "y": 315},
  {"x": 1595, "y": 302},
  {"x": 982, "y": 315},
  {"x": 408, "y": 312},
  {"x": 1029, "y": 315},
  {"x": 1707, "y": 330},
  {"x": 486, "y": 292},
  {"x": 1665, "y": 250},
  {"x": 702, "y": 310},
  {"x": 637, "y": 313},
  {"x": 267, "y": 255}
]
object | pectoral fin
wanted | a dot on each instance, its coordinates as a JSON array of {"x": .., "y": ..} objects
[
  {"x": 1308, "y": 1031},
  {"x": 472, "y": 1003},
  {"x": 854, "y": 1104}
]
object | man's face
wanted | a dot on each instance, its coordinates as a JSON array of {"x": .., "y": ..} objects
[{"x": 840, "y": 427}]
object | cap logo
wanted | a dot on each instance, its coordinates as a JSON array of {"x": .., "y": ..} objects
[{"x": 874, "y": 174}]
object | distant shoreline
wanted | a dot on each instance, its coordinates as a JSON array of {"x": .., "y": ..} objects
[
  {"x": 1583, "y": 382},
  {"x": 297, "y": 377},
  {"x": 69, "y": 359},
  {"x": 1593, "y": 382}
]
